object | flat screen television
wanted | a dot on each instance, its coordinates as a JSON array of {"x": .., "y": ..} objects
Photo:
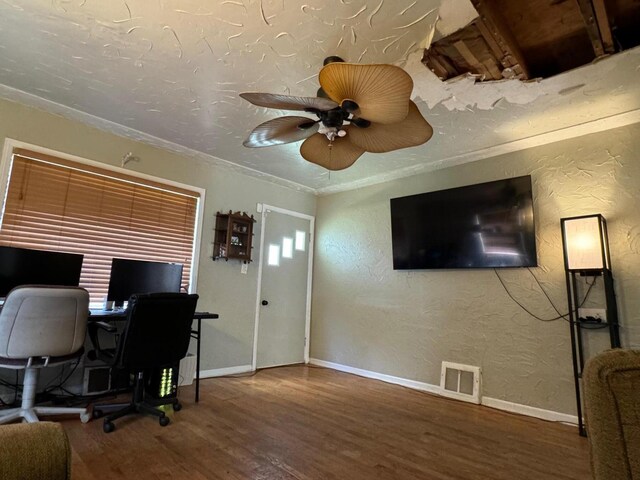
[
  {"x": 488, "y": 225},
  {"x": 138, "y": 276},
  {"x": 25, "y": 266}
]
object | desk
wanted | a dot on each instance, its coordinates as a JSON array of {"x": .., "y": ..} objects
[{"x": 111, "y": 315}]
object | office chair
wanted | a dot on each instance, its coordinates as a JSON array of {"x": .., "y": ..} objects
[
  {"x": 156, "y": 335},
  {"x": 41, "y": 326}
]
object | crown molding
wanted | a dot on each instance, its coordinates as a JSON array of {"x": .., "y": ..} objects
[
  {"x": 595, "y": 126},
  {"x": 30, "y": 100}
]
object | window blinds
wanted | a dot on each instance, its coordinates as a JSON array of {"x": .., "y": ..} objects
[{"x": 60, "y": 205}]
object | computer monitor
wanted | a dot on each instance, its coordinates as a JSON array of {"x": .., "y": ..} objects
[
  {"x": 24, "y": 266},
  {"x": 136, "y": 276}
]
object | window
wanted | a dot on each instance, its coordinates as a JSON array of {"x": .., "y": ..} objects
[
  {"x": 300, "y": 240},
  {"x": 287, "y": 247},
  {"x": 62, "y": 205},
  {"x": 274, "y": 255}
]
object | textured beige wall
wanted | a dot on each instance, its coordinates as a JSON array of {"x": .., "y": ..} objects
[
  {"x": 221, "y": 286},
  {"x": 368, "y": 316}
]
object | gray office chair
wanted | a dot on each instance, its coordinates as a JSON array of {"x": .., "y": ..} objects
[{"x": 41, "y": 327}]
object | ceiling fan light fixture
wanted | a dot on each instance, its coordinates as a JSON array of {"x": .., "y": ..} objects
[
  {"x": 331, "y": 132},
  {"x": 360, "y": 108}
]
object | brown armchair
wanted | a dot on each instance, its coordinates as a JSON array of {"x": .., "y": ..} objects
[
  {"x": 612, "y": 410},
  {"x": 34, "y": 451}
]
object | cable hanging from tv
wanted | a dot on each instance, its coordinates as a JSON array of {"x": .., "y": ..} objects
[{"x": 561, "y": 316}]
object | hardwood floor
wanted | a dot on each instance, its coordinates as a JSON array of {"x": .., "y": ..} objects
[{"x": 313, "y": 423}]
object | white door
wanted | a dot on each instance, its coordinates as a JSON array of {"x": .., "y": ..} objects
[{"x": 283, "y": 303}]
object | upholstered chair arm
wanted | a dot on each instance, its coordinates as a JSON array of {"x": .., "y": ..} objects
[{"x": 34, "y": 451}]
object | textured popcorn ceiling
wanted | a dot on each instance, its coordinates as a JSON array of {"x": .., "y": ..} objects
[{"x": 173, "y": 70}]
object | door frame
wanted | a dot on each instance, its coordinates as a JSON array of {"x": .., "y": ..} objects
[{"x": 307, "y": 328}]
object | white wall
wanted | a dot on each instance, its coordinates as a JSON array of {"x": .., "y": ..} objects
[
  {"x": 405, "y": 323},
  {"x": 222, "y": 288}
]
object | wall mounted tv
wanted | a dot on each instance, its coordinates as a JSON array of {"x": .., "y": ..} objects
[{"x": 489, "y": 225}]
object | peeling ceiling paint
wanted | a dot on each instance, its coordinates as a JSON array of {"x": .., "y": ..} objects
[
  {"x": 452, "y": 16},
  {"x": 172, "y": 70}
]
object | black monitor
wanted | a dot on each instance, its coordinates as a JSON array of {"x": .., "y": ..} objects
[
  {"x": 24, "y": 266},
  {"x": 129, "y": 277}
]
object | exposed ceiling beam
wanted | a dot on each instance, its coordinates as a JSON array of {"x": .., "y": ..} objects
[
  {"x": 589, "y": 17},
  {"x": 604, "y": 26},
  {"x": 494, "y": 22}
]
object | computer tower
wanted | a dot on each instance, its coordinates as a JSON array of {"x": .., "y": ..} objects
[
  {"x": 103, "y": 378},
  {"x": 96, "y": 380},
  {"x": 161, "y": 384}
]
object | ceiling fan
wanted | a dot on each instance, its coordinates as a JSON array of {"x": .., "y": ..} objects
[{"x": 359, "y": 108}]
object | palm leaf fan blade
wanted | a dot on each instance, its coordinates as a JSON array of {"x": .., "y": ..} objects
[
  {"x": 288, "y": 102},
  {"x": 382, "y": 92},
  {"x": 377, "y": 138},
  {"x": 281, "y": 130},
  {"x": 338, "y": 155}
]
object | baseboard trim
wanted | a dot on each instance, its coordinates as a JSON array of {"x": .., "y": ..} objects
[
  {"x": 425, "y": 387},
  {"x": 529, "y": 411},
  {"x": 490, "y": 402},
  {"x": 219, "y": 372}
]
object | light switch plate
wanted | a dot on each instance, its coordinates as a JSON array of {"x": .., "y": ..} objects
[{"x": 244, "y": 268}]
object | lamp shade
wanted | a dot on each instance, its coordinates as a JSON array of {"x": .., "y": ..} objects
[{"x": 585, "y": 243}]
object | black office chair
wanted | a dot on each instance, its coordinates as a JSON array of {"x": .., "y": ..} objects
[{"x": 156, "y": 336}]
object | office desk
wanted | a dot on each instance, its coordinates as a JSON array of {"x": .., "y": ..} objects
[{"x": 115, "y": 315}]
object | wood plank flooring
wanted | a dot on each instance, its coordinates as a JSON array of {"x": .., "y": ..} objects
[{"x": 312, "y": 423}]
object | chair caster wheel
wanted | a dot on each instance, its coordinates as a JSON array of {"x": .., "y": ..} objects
[
  {"x": 108, "y": 427},
  {"x": 85, "y": 417},
  {"x": 177, "y": 407},
  {"x": 97, "y": 413},
  {"x": 164, "y": 421}
]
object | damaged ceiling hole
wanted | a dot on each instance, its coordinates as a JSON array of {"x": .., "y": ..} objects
[{"x": 534, "y": 39}]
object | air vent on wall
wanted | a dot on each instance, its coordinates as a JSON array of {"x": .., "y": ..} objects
[{"x": 461, "y": 382}]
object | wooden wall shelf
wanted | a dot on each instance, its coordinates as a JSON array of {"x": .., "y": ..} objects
[{"x": 233, "y": 236}]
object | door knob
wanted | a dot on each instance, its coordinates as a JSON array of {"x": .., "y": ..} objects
[{"x": 264, "y": 302}]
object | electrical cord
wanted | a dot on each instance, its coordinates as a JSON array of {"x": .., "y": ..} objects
[
  {"x": 15, "y": 391},
  {"x": 8, "y": 385},
  {"x": 560, "y": 316},
  {"x": 60, "y": 385},
  {"x": 586, "y": 295}
]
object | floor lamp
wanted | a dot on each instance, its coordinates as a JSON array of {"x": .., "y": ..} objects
[{"x": 585, "y": 246}]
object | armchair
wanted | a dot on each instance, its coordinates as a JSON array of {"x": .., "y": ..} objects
[
  {"x": 34, "y": 451},
  {"x": 612, "y": 408}
]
